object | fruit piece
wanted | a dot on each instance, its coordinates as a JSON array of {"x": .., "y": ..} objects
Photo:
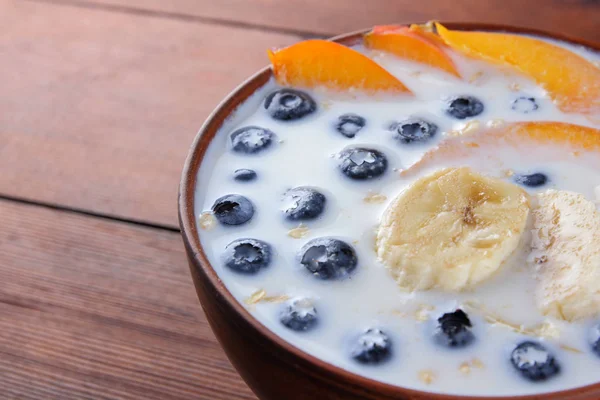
[
  {"x": 328, "y": 258},
  {"x": 244, "y": 175},
  {"x": 409, "y": 43},
  {"x": 572, "y": 81},
  {"x": 532, "y": 180},
  {"x": 534, "y": 362},
  {"x": 582, "y": 137},
  {"x": 247, "y": 255},
  {"x": 302, "y": 203},
  {"x": 566, "y": 255},
  {"x": 372, "y": 347},
  {"x": 525, "y": 105},
  {"x": 289, "y": 104},
  {"x": 464, "y": 107},
  {"x": 414, "y": 131},
  {"x": 359, "y": 163},
  {"x": 454, "y": 330},
  {"x": 350, "y": 124},
  {"x": 233, "y": 209},
  {"x": 320, "y": 63},
  {"x": 299, "y": 315},
  {"x": 515, "y": 135},
  {"x": 251, "y": 139},
  {"x": 427, "y": 31},
  {"x": 595, "y": 339},
  {"x": 451, "y": 230}
]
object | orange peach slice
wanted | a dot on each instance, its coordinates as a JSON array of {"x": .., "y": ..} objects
[
  {"x": 320, "y": 63},
  {"x": 571, "y": 137},
  {"x": 572, "y": 81},
  {"x": 428, "y": 31},
  {"x": 411, "y": 43}
]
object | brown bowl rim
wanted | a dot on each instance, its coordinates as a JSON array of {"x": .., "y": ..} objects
[{"x": 189, "y": 231}]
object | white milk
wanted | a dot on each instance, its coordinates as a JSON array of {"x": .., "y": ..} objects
[{"x": 303, "y": 156}]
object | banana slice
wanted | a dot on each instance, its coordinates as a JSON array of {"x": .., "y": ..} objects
[
  {"x": 566, "y": 255},
  {"x": 451, "y": 230}
]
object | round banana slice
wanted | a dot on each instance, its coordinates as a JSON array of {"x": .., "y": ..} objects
[
  {"x": 566, "y": 255},
  {"x": 451, "y": 230}
]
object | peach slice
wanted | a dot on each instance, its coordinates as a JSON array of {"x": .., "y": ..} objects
[
  {"x": 572, "y": 81},
  {"x": 315, "y": 63},
  {"x": 413, "y": 43},
  {"x": 428, "y": 31},
  {"x": 569, "y": 136}
]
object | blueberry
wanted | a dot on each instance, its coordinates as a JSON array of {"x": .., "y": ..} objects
[
  {"x": 251, "y": 139},
  {"x": 372, "y": 347},
  {"x": 454, "y": 330},
  {"x": 533, "y": 180},
  {"x": 534, "y": 362},
  {"x": 525, "y": 105},
  {"x": 233, "y": 209},
  {"x": 247, "y": 255},
  {"x": 349, "y": 124},
  {"x": 289, "y": 104},
  {"x": 328, "y": 258},
  {"x": 464, "y": 107},
  {"x": 595, "y": 339},
  {"x": 303, "y": 203},
  {"x": 244, "y": 175},
  {"x": 299, "y": 315},
  {"x": 414, "y": 131},
  {"x": 360, "y": 163}
]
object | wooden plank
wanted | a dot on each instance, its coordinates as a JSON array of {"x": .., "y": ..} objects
[
  {"x": 97, "y": 309},
  {"x": 99, "y": 108},
  {"x": 332, "y": 17}
]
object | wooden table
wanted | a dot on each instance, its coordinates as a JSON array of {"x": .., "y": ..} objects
[{"x": 99, "y": 101}]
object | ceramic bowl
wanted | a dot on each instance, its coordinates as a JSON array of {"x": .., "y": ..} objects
[{"x": 273, "y": 368}]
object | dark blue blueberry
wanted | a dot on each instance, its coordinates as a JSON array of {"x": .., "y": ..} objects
[
  {"x": 595, "y": 339},
  {"x": 414, "y": 131},
  {"x": 251, "y": 139},
  {"x": 299, "y": 315},
  {"x": 372, "y": 347},
  {"x": 247, "y": 255},
  {"x": 525, "y": 105},
  {"x": 349, "y": 124},
  {"x": 534, "y": 362},
  {"x": 233, "y": 209},
  {"x": 328, "y": 258},
  {"x": 289, "y": 104},
  {"x": 360, "y": 163},
  {"x": 464, "y": 107},
  {"x": 533, "y": 180},
  {"x": 244, "y": 175},
  {"x": 454, "y": 330},
  {"x": 303, "y": 203}
]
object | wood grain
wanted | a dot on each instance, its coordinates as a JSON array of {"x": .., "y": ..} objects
[
  {"x": 573, "y": 17},
  {"x": 99, "y": 108},
  {"x": 96, "y": 309}
]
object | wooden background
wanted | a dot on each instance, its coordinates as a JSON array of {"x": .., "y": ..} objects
[{"x": 99, "y": 102}]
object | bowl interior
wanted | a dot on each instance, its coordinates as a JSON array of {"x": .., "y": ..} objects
[{"x": 189, "y": 228}]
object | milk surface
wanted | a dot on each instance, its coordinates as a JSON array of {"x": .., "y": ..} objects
[{"x": 304, "y": 155}]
